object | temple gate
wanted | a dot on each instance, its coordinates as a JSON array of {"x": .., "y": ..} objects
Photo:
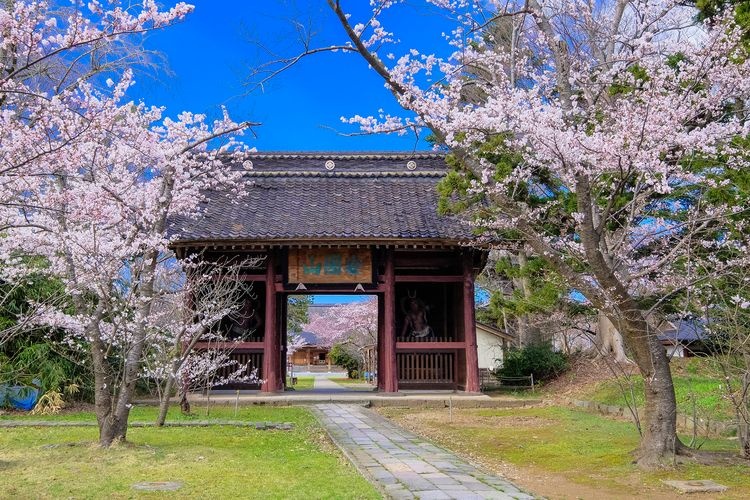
[{"x": 343, "y": 224}]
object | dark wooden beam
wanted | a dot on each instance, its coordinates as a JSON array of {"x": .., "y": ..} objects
[
  {"x": 429, "y": 346},
  {"x": 429, "y": 279}
]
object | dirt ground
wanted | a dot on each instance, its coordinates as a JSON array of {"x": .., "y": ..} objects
[{"x": 585, "y": 373}]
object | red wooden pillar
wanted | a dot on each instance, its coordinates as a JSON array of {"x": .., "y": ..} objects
[
  {"x": 271, "y": 340},
  {"x": 381, "y": 336},
  {"x": 283, "y": 356},
  {"x": 388, "y": 354},
  {"x": 470, "y": 333}
]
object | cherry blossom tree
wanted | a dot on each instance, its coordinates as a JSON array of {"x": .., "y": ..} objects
[
  {"x": 353, "y": 325},
  {"x": 192, "y": 299},
  {"x": 89, "y": 180},
  {"x": 590, "y": 134}
]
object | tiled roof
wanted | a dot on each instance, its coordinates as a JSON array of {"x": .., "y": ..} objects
[
  {"x": 684, "y": 330},
  {"x": 329, "y": 196}
]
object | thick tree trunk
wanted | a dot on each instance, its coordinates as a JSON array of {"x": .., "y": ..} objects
[
  {"x": 659, "y": 441},
  {"x": 609, "y": 340},
  {"x": 110, "y": 427},
  {"x": 528, "y": 332},
  {"x": 113, "y": 429}
]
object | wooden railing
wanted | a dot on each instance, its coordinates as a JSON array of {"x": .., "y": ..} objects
[
  {"x": 426, "y": 367},
  {"x": 425, "y": 339},
  {"x": 250, "y": 359}
]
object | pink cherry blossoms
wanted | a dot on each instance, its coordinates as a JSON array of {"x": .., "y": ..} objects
[
  {"x": 355, "y": 323},
  {"x": 89, "y": 179}
]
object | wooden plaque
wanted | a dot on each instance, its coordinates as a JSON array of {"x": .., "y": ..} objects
[{"x": 330, "y": 265}]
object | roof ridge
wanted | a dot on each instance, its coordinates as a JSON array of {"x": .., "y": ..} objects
[
  {"x": 312, "y": 173},
  {"x": 334, "y": 155}
]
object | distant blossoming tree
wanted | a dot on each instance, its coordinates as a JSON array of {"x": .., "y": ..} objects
[
  {"x": 88, "y": 179},
  {"x": 354, "y": 325}
]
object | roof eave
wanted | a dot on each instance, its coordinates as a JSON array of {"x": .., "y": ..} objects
[{"x": 230, "y": 243}]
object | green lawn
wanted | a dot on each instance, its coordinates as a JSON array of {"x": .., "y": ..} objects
[
  {"x": 213, "y": 462},
  {"x": 576, "y": 453},
  {"x": 697, "y": 385},
  {"x": 303, "y": 383}
]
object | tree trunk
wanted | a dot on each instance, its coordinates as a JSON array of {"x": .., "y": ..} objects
[
  {"x": 109, "y": 426},
  {"x": 609, "y": 340},
  {"x": 743, "y": 414},
  {"x": 184, "y": 403},
  {"x": 743, "y": 435},
  {"x": 528, "y": 332},
  {"x": 164, "y": 403},
  {"x": 113, "y": 430},
  {"x": 659, "y": 441}
]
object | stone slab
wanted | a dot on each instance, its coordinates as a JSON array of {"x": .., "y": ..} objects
[
  {"x": 696, "y": 486},
  {"x": 158, "y": 486}
]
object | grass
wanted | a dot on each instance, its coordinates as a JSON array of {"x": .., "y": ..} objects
[
  {"x": 696, "y": 383},
  {"x": 303, "y": 383},
  {"x": 212, "y": 462},
  {"x": 563, "y": 453},
  {"x": 352, "y": 381}
]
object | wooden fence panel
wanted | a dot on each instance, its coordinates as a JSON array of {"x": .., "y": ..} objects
[{"x": 426, "y": 367}]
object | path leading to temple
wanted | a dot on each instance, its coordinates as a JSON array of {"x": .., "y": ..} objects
[
  {"x": 402, "y": 464},
  {"x": 326, "y": 384}
]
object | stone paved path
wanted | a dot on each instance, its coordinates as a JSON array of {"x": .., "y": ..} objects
[
  {"x": 404, "y": 465},
  {"x": 325, "y": 383}
]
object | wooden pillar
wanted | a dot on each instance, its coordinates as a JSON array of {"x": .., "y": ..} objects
[
  {"x": 283, "y": 357},
  {"x": 470, "y": 333},
  {"x": 379, "y": 344},
  {"x": 388, "y": 354},
  {"x": 271, "y": 340}
]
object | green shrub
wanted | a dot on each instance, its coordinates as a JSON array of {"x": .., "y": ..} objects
[
  {"x": 341, "y": 356},
  {"x": 540, "y": 360}
]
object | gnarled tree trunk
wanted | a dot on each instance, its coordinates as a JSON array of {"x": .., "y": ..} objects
[
  {"x": 659, "y": 441},
  {"x": 609, "y": 340}
]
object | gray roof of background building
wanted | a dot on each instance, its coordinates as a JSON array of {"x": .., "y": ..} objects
[
  {"x": 684, "y": 330},
  {"x": 310, "y": 339},
  {"x": 295, "y": 196}
]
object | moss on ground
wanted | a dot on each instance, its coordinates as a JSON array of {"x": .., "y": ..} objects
[{"x": 698, "y": 388}]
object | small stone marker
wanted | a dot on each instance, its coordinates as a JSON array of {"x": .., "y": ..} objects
[
  {"x": 697, "y": 486},
  {"x": 158, "y": 486}
]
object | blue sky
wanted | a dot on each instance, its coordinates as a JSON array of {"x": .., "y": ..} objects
[{"x": 210, "y": 55}]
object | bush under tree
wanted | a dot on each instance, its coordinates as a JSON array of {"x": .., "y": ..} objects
[{"x": 539, "y": 360}]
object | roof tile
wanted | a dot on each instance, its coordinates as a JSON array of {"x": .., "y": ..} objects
[{"x": 293, "y": 196}]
